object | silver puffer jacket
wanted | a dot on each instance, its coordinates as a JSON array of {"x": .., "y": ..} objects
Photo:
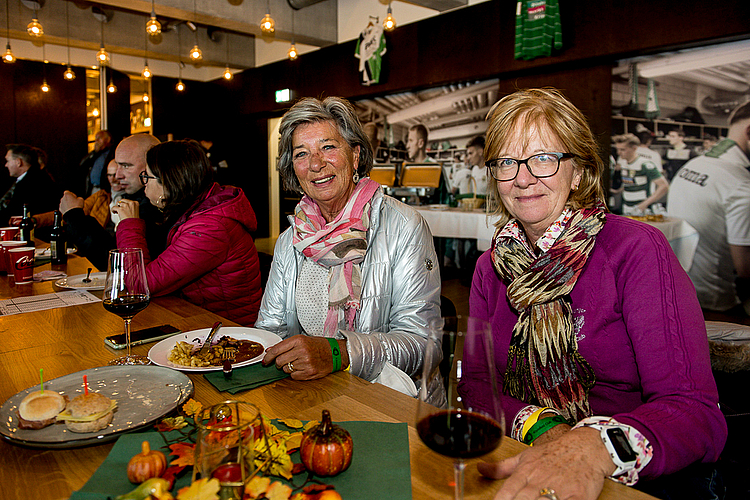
[{"x": 400, "y": 294}]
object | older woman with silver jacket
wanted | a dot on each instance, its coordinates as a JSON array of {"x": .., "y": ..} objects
[{"x": 354, "y": 283}]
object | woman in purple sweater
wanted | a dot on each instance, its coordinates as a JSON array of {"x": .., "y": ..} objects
[{"x": 599, "y": 338}]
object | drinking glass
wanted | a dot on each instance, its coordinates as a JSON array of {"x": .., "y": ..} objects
[
  {"x": 126, "y": 294},
  {"x": 464, "y": 428}
]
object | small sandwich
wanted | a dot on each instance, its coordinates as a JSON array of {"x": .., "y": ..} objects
[
  {"x": 38, "y": 410},
  {"x": 88, "y": 412}
]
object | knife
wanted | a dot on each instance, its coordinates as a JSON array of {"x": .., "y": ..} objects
[{"x": 207, "y": 343}]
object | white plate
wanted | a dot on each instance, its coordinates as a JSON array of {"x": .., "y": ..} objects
[
  {"x": 159, "y": 353},
  {"x": 438, "y": 207},
  {"x": 97, "y": 281},
  {"x": 143, "y": 394}
]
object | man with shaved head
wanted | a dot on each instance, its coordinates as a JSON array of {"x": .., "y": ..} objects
[{"x": 93, "y": 241}]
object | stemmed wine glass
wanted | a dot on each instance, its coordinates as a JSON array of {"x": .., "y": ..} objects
[
  {"x": 126, "y": 294},
  {"x": 466, "y": 427}
]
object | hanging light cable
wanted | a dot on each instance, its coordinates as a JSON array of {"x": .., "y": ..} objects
[
  {"x": 8, "y": 56},
  {"x": 45, "y": 86},
  {"x": 146, "y": 73},
  {"x": 102, "y": 56},
  {"x": 227, "y": 72},
  {"x": 153, "y": 26},
  {"x": 68, "y": 75},
  {"x": 34, "y": 28},
  {"x": 195, "y": 53},
  {"x": 389, "y": 24},
  {"x": 292, "y": 54},
  {"x": 180, "y": 87},
  {"x": 267, "y": 26}
]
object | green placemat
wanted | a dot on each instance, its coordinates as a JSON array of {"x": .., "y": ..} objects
[
  {"x": 245, "y": 378},
  {"x": 380, "y": 468}
]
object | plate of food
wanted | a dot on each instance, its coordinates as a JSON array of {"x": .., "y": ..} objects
[
  {"x": 76, "y": 282},
  {"x": 119, "y": 399},
  {"x": 180, "y": 351}
]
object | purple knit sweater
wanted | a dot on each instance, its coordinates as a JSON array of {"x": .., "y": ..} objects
[{"x": 639, "y": 325}]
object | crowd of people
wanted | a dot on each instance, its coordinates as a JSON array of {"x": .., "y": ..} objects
[{"x": 355, "y": 281}]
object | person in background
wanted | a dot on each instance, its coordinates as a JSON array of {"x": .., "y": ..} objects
[
  {"x": 476, "y": 169},
  {"x": 596, "y": 325},
  {"x": 638, "y": 175},
  {"x": 709, "y": 141},
  {"x": 644, "y": 150},
  {"x": 31, "y": 186},
  {"x": 210, "y": 258},
  {"x": 94, "y": 241},
  {"x": 94, "y": 164},
  {"x": 712, "y": 193},
  {"x": 678, "y": 153},
  {"x": 416, "y": 144},
  {"x": 355, "y": 282}
]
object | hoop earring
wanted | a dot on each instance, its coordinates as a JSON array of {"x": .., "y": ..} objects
[{"x": 356, "y": 177}]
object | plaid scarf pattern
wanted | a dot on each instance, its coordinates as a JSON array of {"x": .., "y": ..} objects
[
  {"x": 340, "y": 246},
  {"x": 544, "y": 365}
]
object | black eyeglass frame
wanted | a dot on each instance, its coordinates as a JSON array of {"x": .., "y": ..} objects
[
  {"x": 560, "y": 157},
  {"x": 144, "y": 177}
]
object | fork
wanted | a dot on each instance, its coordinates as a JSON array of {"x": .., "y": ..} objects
[{"x": 227, "y": 357}]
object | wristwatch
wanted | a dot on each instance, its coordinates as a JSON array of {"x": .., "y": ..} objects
[{"x": 619, "y": 448}]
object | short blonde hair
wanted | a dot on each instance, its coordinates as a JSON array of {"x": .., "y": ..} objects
[{"x": 549, "y": 111}]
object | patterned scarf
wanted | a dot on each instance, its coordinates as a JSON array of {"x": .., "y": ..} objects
[
  {"x": 340, "y": 246},
  {"x": 544, "y": 365}
]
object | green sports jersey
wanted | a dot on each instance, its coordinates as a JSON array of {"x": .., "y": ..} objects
[{"x": 537, "y": 28}]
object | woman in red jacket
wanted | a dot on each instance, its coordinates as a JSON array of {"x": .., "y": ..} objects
[{"x": 210, "y": 258}]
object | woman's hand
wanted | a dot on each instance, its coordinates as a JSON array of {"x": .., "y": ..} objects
[
  {"x": 126, "y": 209},
  {"x": 311, "y": 357},
  {"x": 574, "y": 465}
]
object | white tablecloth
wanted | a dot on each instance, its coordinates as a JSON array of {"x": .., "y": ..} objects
[
  {"x": 681, "y": 236},
  {"x": 448, "y": 222}
]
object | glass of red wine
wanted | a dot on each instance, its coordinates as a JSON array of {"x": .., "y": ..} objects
[
  {"x": 126, "y": 294},
  {"x": 466, "y": 426}
]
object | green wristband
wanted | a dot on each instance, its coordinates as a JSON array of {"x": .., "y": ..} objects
[
  {"x": 336, "y": 351},
  {"x": 541, "y": 427}
]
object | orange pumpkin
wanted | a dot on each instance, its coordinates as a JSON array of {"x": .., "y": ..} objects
[
  {"x": 326, "y": 449},
  {"x": 147, "y": 464}
]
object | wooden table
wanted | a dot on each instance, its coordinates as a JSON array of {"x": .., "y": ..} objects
[
  {"x": 75, "y": 265},
  {"x": 70, "y": 339}
]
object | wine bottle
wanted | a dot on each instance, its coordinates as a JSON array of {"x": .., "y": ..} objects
[
  {"x": 57, "y": 241},
  {"x": 27, "y": 226}
]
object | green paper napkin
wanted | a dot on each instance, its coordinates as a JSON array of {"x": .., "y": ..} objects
[
  {"x": 245, "y": 378},
  {"x": 380, "y": 468}
]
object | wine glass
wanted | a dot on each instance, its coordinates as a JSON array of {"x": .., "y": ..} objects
[
  {"x": 465, "y": 427},
  {"x": 126, "y": 294}
]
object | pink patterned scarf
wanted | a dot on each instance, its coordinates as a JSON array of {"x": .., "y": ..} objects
[{"x": 340, "y": 246}]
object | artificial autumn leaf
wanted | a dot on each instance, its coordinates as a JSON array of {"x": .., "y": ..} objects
[
  {"x": 184, "y": 453},
  {"x": 257, "y": 486},
  {"x": 192, "y": 407},
  {"x": 298, "y": 468},
  {"x": 278, "y": 491},
  {"x": 164, "y": 496},
  {"x": 171, "y": 424},
  {"x": 311, "y": 423},
  {"x": 317, "y": 488},
  {"x": 202, "y": 489},
  {"x": 292, "y": 423},
  {"x": 171, "y": 473},
  {"x": 293, "y": 442}
]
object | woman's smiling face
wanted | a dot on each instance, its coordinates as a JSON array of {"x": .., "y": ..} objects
[{"x": 324, "y": 164}]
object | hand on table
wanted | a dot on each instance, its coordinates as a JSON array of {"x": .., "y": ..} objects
[
  {"x": 126, "y": 209},
  {"x": 310, "y": 357},
  {"x": 574, "y": 465},
  {"x": 70, "y": 201}
]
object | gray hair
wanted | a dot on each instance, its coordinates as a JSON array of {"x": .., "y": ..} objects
[{"x": 312, "y": 110}]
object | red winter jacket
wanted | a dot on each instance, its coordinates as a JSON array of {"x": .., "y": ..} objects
[{"x": 210, "y": 258}]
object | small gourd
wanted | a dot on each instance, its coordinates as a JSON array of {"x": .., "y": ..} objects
[
  {"x": 147, "y": 464},
  {"x": 326, "y": 449}
]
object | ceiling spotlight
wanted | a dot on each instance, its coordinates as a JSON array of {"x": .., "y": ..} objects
[
  {"x": 45, "y": 87},
  {"x": 146, "y": 73},
  {"x": 267, "y": 26},
  {"x": 34, "y": 28},
  {"x": 69, "y": 75},
  {"x": 292, "y": 54},
  {"x": 102, "y": 56},
  {"x": 227, "y": 73},
  {"x": 389, "y": 24},
  {"x": 180, "y": 86},
  {"x": 195, "y": 53},
  {"x": 8, "y": 57}
]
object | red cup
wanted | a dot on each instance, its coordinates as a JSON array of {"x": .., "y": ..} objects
[
  {"x": 9, "y": 233},
  {"x": 22, "y": 262},
  {"x": 5, "y": 257}
]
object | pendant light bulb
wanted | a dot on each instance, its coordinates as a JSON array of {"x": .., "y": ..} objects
[
  {"x": 34, "y": 28},
  {"x": 292, "y": 52},
  {"x": 180, "y": 86},
  {"x": 267, "y": 26},
  {"x": 153, "y": 26},
  {"x": 195, "y": 53},
  {"x": 102, "y": 56},
  {"x": 45, "y": 87},
  {"x": 8, "y": 57},
  {"x": 146, "y": 73},
  {"x": 111, "y": 88},
  {"x": 95, "y": 112},
  {"x": 145, "y": 97},
  {"x": 389, "y": 24},
  {"x": 227, "y": 73},
  {"x": 69, "y": 75}
]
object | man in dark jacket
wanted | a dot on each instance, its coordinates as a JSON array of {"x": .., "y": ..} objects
[
  {"x": 93, "y": 241},
  {"x": 31, "y": 185},
  {"x": 94, "y": 165}
]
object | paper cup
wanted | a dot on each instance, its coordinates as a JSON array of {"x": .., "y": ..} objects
[
  {"x": 5, "y": 257},
  {"x": 22, "y": 261},
  {"x": 9, "y": 233}
]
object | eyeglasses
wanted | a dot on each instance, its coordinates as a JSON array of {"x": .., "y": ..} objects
[
  {"x": 540, "y": 166},
  {"x": 145, "y": 177}
]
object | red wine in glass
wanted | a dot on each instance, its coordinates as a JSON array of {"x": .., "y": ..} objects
[
  {"x": 460, "y": 434},
  {"x": 127, "y": 306}
]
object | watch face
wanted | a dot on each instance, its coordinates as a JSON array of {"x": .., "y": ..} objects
[{"x": 622, "y": 446}]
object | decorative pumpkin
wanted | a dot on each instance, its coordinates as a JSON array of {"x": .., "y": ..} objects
[
  {"x": 147, "y": 464},
  {"x": 326, "y": 449}
]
